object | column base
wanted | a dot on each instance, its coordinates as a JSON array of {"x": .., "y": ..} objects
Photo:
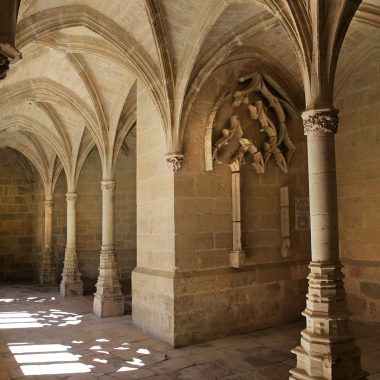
[
  {"x": 237, "y": 259},
  {"x": 313, "y": 366},
  {"x": 108, "y": 299},
  {"x": 327, "y": 350},
  {"x": 108, "y": 306},
  {"x": 71, "y": 289}
]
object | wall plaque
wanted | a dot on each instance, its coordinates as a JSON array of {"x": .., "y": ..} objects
[{"x": 302, "y": 213}]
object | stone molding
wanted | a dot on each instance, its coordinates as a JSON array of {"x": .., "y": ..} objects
[
  {"x": 321, "y": 121},
  {"x": 174, "y": 161},
  {"x": 108, "y": 185},
  {"x": 71, "y": 197}
]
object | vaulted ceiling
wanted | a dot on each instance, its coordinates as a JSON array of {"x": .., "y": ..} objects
[{"x": 75, "y": 87}]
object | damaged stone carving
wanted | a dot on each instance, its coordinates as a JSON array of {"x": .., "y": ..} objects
[
  {"x": 174, "y": 161},
  {"x": 276, "y": 141},
  {"x": 320, "y": 121}
]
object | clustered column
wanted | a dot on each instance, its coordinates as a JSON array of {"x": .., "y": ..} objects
[
  {"x": 71, "y": 284},
  {"x": 327, "y": 349},
  {"x": 108, "y": 300},
  {"x": 48, "y": 268}
]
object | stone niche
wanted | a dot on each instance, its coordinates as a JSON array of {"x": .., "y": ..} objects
[{"x": 212, "y": 298}]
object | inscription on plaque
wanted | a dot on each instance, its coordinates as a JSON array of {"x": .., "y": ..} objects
[{"x": 302, "y": 213}]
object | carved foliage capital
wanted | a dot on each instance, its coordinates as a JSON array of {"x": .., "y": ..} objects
[
  {"x": 108, "y": 185},
  {"x": 71, "y": 197},
  {"x": 174, "y": 161},
  {"x": 320, "y": 121}
]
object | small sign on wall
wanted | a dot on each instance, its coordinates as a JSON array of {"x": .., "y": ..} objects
[{"x": 302, "y": 213}]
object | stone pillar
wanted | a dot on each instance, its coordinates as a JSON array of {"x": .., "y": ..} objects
[
  {"x": 108, "y": 300},
  {"x": 237, "y": 254},
  {"x": 327, "y": 349},
  {"x": 48, "y": 268},
  {"x": 71, "y": 284}
]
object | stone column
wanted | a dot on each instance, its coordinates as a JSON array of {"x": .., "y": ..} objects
[
  {"x": 237, "y": 254},
  {"x": 71, "y": 284},
  {"x": 48, "y": 268},
  {"x": 327, "y": 349},
  {"x": 108, "y": 300}
]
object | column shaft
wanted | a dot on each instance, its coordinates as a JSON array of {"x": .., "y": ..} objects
[
  {"x": 237, "y": 254},
  {"x": 71, "y": 284},
  {"x": 323, "y": 198},
  {"x": 48, "y": 268},
  {"x": 108, "y": 300}
]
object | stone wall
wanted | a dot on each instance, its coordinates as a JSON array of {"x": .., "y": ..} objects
[
  {"x": 59, "y": 221},
  {"x": 358, "y": 176},
  {"x": 17, "y": 261},
  {"x": 89, "y": 220},
  {"x": 212, "y": 299}
]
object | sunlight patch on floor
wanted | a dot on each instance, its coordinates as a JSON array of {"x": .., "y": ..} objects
[
  {"x": 55, "y": 369},
  {"x": 22, "y": 320},
  {"x": 50, "y": 356}
]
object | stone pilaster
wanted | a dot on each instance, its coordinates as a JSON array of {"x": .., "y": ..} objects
[
  {"x": 108, "y": 300},
  {"x": 327, "y": 349},
  {"x": 71, "y": 284},
  {"x": 48, "y": 268}
]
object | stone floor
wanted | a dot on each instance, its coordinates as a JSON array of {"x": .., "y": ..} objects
[{"x": 43, "y": 336}]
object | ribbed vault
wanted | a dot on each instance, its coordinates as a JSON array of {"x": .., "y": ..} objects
[{"x": 82, "y": 59}]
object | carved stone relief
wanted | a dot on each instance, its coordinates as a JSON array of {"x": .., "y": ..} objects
[{"x": 257, "y": 127}]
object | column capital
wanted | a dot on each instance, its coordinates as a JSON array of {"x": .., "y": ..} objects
[
  {"x": 108, "y": 185},
  {"x": 48, "y": 203},
  {"x": 71, "y": 197},
  {"x": 320, "y": 121}
]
